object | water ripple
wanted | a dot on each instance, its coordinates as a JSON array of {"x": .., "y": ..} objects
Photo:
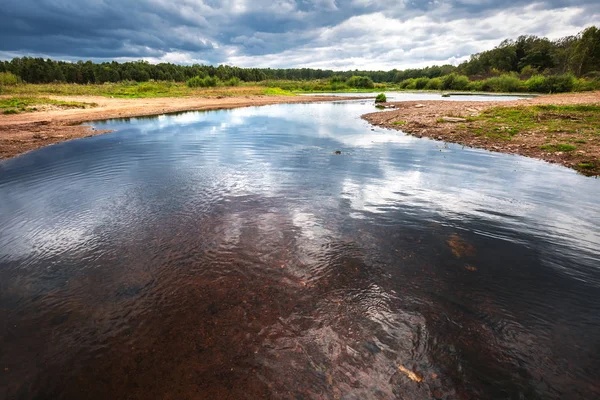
[{"x": 233, "y": 254}]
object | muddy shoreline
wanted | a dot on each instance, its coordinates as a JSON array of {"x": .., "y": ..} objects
[
  {"x": 24, "y": 132},
  {"x": 424, "y": 119}
]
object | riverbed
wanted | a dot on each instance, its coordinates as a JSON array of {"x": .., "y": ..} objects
[{"x": 294, "y": 251}]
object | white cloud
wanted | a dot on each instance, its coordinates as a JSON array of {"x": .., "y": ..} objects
[
  {"x": 377, "y": 41},
  {"x": 329, "y": 34}
]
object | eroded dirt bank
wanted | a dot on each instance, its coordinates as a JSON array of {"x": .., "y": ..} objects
[
  {"x": 473, "y": 124},
  {"x": 28, "y": 131}
]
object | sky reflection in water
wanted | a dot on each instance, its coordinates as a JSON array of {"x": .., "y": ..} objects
[{"x": 232, "y": 253}]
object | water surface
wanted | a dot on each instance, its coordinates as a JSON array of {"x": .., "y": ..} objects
[{"x": 232, "y": 254}]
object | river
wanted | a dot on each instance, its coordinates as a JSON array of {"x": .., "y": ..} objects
[{"x": 233, "y": 254}]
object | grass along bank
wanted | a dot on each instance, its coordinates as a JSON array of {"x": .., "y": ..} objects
[
  {"x": 561, "y": 125},
  {"x": 214, "y": 87},
  {"x": 195, "y": 87},
  {"x": 570, "y": 132},
  {"x": 19, "y": 104},
  {"x": 501, "y": 83},
  {"x": 135, "y": 90},
  {"x": 561, "y": 129}
]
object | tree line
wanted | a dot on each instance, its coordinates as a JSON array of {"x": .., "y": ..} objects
[
  {"x": 529, "y": 55},
  {"x": 578, "y": 55}
]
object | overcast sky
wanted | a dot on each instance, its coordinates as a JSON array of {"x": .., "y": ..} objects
[{"x": 332, "y": 34}]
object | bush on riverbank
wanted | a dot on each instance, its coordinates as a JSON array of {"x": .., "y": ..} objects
[
  {"x": 129, "y": 89},
  {"x": 586, "y": 85},
  {"x": 9, "y": 79},
  {"x": 233, "y": 82},
  {"x": 360, "y": 82},
  {"x": 197, "y": 81},
  {"x": 511, "y": 83},
  {"x": 211, "y": 81},
  {"x": 434, "y": 84},
  {"x": 455, "y": 82},
  {"x": 504, "y": 83},
  {"x": 551, "y": 84}
]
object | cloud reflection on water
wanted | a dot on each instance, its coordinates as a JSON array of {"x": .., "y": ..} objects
[{"x": 352, "y": 246}]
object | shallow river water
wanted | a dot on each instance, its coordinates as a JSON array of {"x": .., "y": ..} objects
[{"x": 233, "y": 255}]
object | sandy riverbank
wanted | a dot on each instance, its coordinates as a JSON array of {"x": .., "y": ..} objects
[
  {"x": 28, "y": 131},
  {"x": 424, "y": 119}
]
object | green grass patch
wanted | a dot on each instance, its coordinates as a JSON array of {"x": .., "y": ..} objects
[
  {"x": 558, "y": 147},
  {"x": 133, "y": 90},
  {"x": 586, "y": 165},
  {"x": 15, "y": 105},
  {"x": 507, "y": 122},
  {"x": 570, "y": 108},
  {"x": 277, "y": 92},
  {"x": 399, "y": 123}
]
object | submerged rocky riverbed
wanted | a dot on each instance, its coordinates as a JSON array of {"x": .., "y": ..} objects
[{"x": 233, "y": 254}]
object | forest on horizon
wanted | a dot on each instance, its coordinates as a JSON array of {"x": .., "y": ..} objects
[{"x": 577, "y": 55}]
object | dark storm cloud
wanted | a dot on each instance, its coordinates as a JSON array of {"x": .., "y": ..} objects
[
  {"x": 328, "y": 33},
  {"x": 92, "y": 28}
]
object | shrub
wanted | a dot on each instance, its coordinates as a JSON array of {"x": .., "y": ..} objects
[
  {"x": 381, "y": 98},
  {"x": 209, "y": 81},
  {"x": 434, "y": 84},
  {"x": 476, "y": 86},
  {"x": 583, "y": 85},
  {"x": 232, "y": 82},
  {"x": 410, "y": 84},
  {"x": 212, "y": 81},
  {"x": 360, "y": 82},
  {"x": 455, "y": 82},
  {"x": 9, "y": 79},
  {"x": 560, "y": 83},
  {"x": 536, "y": 83},
  {"x": 337, "y": 86},
  {"x": 502, "y": 83},
  {"x": 195, "y": 82},
  {"x": 551, "y": 84},
  {"x": 421, "y": 83}
]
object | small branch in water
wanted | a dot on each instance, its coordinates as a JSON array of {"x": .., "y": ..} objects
[{"x": 411, "y": 375}]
